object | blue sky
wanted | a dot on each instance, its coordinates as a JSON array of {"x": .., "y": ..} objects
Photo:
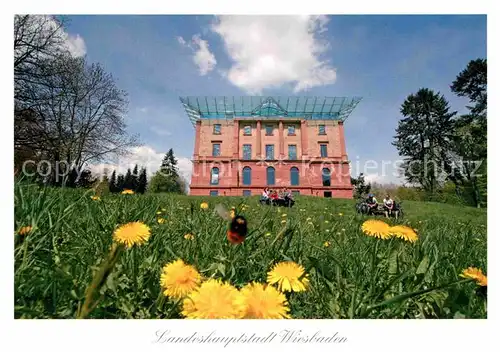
[{"x": 381, "y": 58}]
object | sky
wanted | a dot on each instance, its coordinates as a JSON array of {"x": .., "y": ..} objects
[{"x": 383, "y": 59}]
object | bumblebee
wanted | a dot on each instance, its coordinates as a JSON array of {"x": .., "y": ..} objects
[{"x": 237, "y": 230}]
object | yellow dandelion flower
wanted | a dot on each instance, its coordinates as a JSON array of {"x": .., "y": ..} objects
[
  {"x": 132, "y": 233},
  {"x": 95, "y": 198},
  {"x": 404, "y": 232},
  {"x": 127, "y": 191},
  {"x": 260, "y": 301},
  {"x": 268, "y": 234},
  {"x": 158, "y": 212},
  {"x": 188, "y": 236},
  {"x": 213, "y": 300},
  {"x": 233, "y": 214},
  {"x": 341, "y": 214},
  {"x": 326, "y": 244},
  {"x": 476, "y": 274},
  {"x": 24, "y": 230},
  {"x": 376, "y": 228},
  {"x": 204, "y": 205},
  {"x": 179, "y": 279},
  {"x": 283, "y": 215},
  {"x": 283, "y": 221},
  {"x": 289, "y": 276},
  {"x": 161, "y": 220}
]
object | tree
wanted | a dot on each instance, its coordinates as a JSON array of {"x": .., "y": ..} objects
[
  {"x": 128, "y": 181},
  {"x": 470, "y": 137},
  {"x": 76, "y": 113},
  {"x": 142, "y": 182},
  {"x": 169, "y": 165},
  {"x": 423, "y": 138},
  {"x": 120, "y": 181},
  {"x": 360, "y": 188},
  {"x": 112, "y": 183},
  {"x": 135, "y": 178}
]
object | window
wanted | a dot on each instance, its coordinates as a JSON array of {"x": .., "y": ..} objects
[
  {"x": 323, "y": 150},
  {"x": 217, "y": 128},
  {"x": 214, "y": 176},
  {"x": 247, "y": 176},
  {"x": 322, "y": 129},
  {"x": 247, "y": 130},
  {"x": 247, "y": 193},
  {"x": 247, "y": 151},
  {"x": 294, "y": 176},
  {"x": 292, "y": 152},
  {"x": 216, "y": 149},
  {"x": 270, "y": 176},
  {"x": 269, "y": 130},
  {"x": 295, "y": 193},
  {"x": 269, "y": 152},
  {"x": 214, "y": 193},
  {"x": 291, "y": 130},
  {"x": 326, "y": 177}
]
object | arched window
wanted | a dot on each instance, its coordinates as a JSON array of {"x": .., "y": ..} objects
[
  {"x": 294, "y": 176},
  {"x": 247, "y": 176},
  {"x": 214, "y": 176},
  {"x": 326, "y": 177},
  {"x": 270, "y": 176}
]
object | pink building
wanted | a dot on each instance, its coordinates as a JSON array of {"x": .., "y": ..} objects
[{"x": 245, "y": 144}]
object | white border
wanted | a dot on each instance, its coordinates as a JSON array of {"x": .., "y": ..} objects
[{"x": 134, "y": 335}]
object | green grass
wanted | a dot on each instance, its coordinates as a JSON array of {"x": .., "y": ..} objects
[{"x": 355, "y": 277}]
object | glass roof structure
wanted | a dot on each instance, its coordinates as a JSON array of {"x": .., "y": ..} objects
[{"x": 314, "y": 108}]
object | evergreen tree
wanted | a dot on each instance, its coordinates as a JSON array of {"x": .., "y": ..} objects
[
  {"x": 361, "y": 190},
  {"x": 120, "y": 183},
  {"x": 135, "y": 178},
  {"x": 470, "y": 138},
  {"x": 128, "y": 182},
  {"x": 112, "y": 183},
  {"x": 423, "y": 138},
  {"x": 169, "y": 165},
  {"x": 142, "y": 182}
]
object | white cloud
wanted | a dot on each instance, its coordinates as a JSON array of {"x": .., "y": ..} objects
[
  {"x": 144, "y": 156},
  {"x": 202, "y": 57},
  {"x": 269, "y": 51},
  {"x": 74, "y": 44}
]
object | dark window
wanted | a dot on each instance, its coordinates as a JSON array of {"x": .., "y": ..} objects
[
  {"x": 214, "y": 193},
  {"x": 291, "y": 130},
  {"x": 292, "y": 152},
  {"x": 270, "y": 176},
  {"x": 326, "y": 177},
  {"x": 327, "y": 194},
  {"x": 269, "y": 130},
  {"x": 294, "y": 176},
  {"x": 247, "y": 130},
  {"x": 214, "y": 176},
  {"x": 217, "y": 128},
  {"x": 216, "y": 149},
  {"x": 323, "y": 150},
  {"x": 247, "y": 176},
  {"x": 322, "y": 129},
  {"x": 269, "y": 152},
  {"x": 247, "y": 193},
  {"x": 247, "y": 151}
]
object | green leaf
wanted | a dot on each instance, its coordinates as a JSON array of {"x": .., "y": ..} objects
[
  {"x": 393, "y": 262},
  {"x": 423, "y": 266}
]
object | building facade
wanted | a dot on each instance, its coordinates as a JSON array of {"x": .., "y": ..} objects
[{"x": 242, "y": 147}]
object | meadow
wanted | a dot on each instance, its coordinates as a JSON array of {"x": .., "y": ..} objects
[{"x": 351, "y": 275}]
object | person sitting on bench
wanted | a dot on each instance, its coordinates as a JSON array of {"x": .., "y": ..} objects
[
  {"x": 388, "y": 205},
  {"x": 372, "y": 203}
]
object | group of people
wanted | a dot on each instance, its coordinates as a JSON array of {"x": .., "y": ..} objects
[
  {"x": 388, "y": 204},
  {"x": 271, "y": 194}
]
